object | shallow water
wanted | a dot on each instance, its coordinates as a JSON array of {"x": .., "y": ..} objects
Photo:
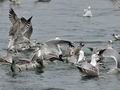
[{"x": 62, "y": 18}]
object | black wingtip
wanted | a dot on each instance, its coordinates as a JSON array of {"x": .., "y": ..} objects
[
  {"x": 90, "y": 48},
  {"x": 11, "y": 11},
  {"x": 23, "y": 20},
  {"x": 29, "y": 20},
  {"x": 101, "y": 51}
]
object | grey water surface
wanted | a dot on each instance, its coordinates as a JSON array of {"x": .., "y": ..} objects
[{"x": 62, "y": 18}]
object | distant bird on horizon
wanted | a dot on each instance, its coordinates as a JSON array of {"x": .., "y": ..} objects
[{"x": 87, "y": 12}]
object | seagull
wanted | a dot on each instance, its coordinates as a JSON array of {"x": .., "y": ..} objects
[
  {"x": 77, "y": 54},
  {"x": 116, "y": 36},
  {"x": 52, "y": 50},
  {"x": 21, "y": 64},
  {"x": 89, "y": 68},
  {"x": 60, "y": 46},
  {"x": 112, "y": 53},
  {"x": 19, "y": 25},
  {"x": 87, "y": 12},
  {"x": 20, "y": 31},
  {"x": 96, "y": 50}
]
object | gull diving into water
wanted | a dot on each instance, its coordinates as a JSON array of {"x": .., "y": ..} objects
[{"x": 88, "y": 12}]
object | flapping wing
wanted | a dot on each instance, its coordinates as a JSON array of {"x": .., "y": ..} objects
[
  {"x": 12, "y": 16},
  {"x": 110, "y": 53},
  {"x": 23, "y": 20},
  {"x": 27, "y": 23},
  {"x": 113, "y": 54},
  {"x": 28, "y": 27}
]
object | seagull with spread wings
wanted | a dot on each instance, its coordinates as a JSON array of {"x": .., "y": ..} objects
[{"x": 20, "y": 31}]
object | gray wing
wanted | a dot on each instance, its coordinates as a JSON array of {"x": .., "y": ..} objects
[
  {"x": 88, "y": 66},
  {"x": 28, "y": 33},
  {"x": 25, "y": 24},
  {"x": 12, "y": 16},
  {"x": 28, "y": 28},
  {"x": 28, "y": 23},
  {"x": 64, "y": 46},
  {"x": 18, "y": 27},
  {"x": 60, "y": 42},
  {"x": 110, "y": 53},
  {"x": 113, "y": 54},
  {"x": 88, "y": 69}
]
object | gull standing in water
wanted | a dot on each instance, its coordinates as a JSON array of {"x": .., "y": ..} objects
[
  {"x": 89, "y": 69},
  {"x": 96, "y": 50},
  {"x": 87, "y": 12}
]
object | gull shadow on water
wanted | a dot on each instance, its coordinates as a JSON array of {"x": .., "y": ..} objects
[
  {"x": 13, "y": 75},
  {"x": 85, "y": 78},
  {"x": 42, "y": 1},
  {"x": 39, "y": 70},
  {"x": 53, "y": 89},
  {"x": 91, "y": 41}
]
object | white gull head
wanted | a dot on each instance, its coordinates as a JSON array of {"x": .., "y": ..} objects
[
  {"x": 81, "y": 56},
  {"x": 94, "y": 59}
]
